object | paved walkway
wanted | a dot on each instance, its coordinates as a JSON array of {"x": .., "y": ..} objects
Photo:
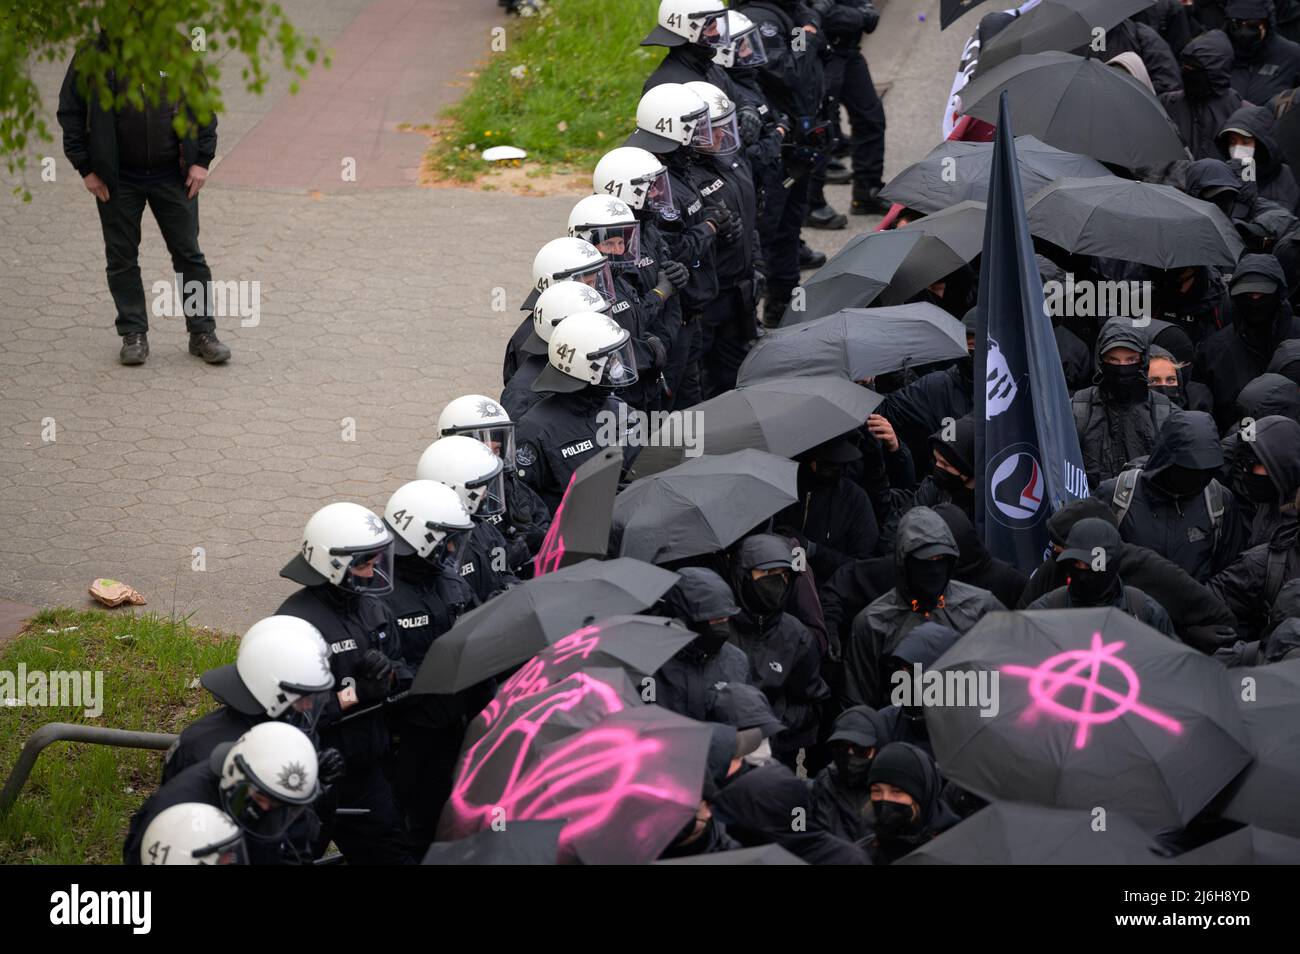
[{"x": 376, "y": 309}]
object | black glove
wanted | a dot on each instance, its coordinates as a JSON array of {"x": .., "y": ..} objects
[
  {"x": 750, "y": 122},
  {"x": 718, "y": 216},
  {"x": 664, "y": 285},
  {"x": 678, "y": 274},
  {"x": 823, "y": 7},
  {"x": 658, "y": 352},
  {"x": 760, "y": 285},
  {"x": 330, "y": 766},
  {"x": 870, "y": 18},
  {"x": 735, "y": 227},
  {"x": 374, "y": 677}
]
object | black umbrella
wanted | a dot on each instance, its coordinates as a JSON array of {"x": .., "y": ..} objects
[
  {"x": 625, "y": 782},
  {"x": 525, "y": 619},
  {"x": 520, "y": 843},
  {"x": 1246, "y": 846},
  {"x": 1094, "y": 709},
  {"x": 784, "y": 416},
  {"x": 1015, "y": 833},
  {"x": 762, "y": 855},
  {"x": 1079, "y": 105},
  {"x": 1140, "y": 222},
  {"x": 580, "y": 525},
  {"x": 951, "y": 239},
  {"x": 1268, "y": 793},
  {"x": 1057, "y": 25},
  {"x": 702, "y": 505},
  {"x": 951, "y": 10},
  {"x": 857, "y": 344},
  {"x": 955, "y": 171},
  {"x": 853, "y": 277}
]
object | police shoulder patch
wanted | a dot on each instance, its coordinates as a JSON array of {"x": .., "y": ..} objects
[
  {"x": 526, "y": 455},
  {"x": 768, "y": 29}
]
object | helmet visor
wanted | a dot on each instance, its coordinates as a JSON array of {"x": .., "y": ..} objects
[
  {"x": 716, "y": 32},
  {"x": 748, "y": 49},
  {"x": 619, "y": 368},
  {"x": 369, "y": 570},
  {"x": 620, "y": 244},
  {"x": 658, "y": 191},
  {"x": 500, "y": 438},
  {"x": 257, "y": 813},
  {"x": 487, "y": 497},
  {"x": 449, "y": 552},
  {"x": 305, "y": 711},
  {"x": 232, "y": 851},
  {"x": 698, "y": 124},
  {"x": 724, "y": 136},
  {"x": 598, "y": 275}
]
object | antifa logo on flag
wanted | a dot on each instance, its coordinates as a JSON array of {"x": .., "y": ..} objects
[{"x": 1016, "y": 488}]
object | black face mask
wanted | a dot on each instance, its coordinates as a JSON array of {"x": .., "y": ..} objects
[
  {"x": 1169, "y": 292},
  {"x": 892, "y": 819},
  {"x": 827, "y": 475},
  {"x": 1124, "y": 382},
  {"x": 710, "y": 639},
  {"x": 950, "y": 482},
  {"x": 1246, "y": 42},
  {"x": 966, "y": 367},
  {"x": 1091, "y": 588},
  {"x": 853, "y": 769},
  {"x": 1259, "y": 488},
  {"x": 927, "y": 579},
  {"x": 1257, "y": 314},
  {"x": 1182, "y": 481},
  {"x": 767, "y": 594},
  {"x": 1172, "y": 391},
  {"x": 1196, "y": 84}
]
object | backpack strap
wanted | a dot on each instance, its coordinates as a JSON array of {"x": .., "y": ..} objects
[
  {"x": 1122, "y": 499},
  {"x": 1214, "y": 504},
  {"x": 1274, "y": 572},
  {"x": 1081, "y": 405}
]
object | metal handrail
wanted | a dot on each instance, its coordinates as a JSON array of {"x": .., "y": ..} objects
[{"x": 71, "y": 732}]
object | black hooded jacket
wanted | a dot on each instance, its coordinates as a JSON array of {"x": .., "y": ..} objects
[
  {"x": 1232, "y": 357},
  {"x": 1274, "y": 67},
  {"x": 1196, "y": 612},
  {"x": 1200, "y": 117},
  {"x": 770, "y": 805},
  {"x": 1286, "y": 361},
  {"x": 934, "y": 818},
  {"x": 940, "y": 487},
  {"x": 784, "y": 660},
  {"x": 918, "y": 410},
  {"x": 1270, "y": 395},
  {"x": 976, "y": 565},
  {"x": 1250, "y": 585},
  {"x": 1112, "y": 433},
  {"x": 685, "y": 682},
  {"x": 836, "y": 522},
  {"x": 838, "y": 806},
  {"x": 1129, "y": 37},
  {"x": 1180, "y": 528},
  {"x": 1277, "y": 447},
  {"x": 1273, "y": 177},
  {"x": 878, "y": 629},
  {"x": 921, "y": 647}
]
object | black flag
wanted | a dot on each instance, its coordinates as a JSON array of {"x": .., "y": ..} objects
[{"x": 1027, "y": 459}]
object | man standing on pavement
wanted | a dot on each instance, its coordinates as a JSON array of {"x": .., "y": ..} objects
[{"x": 128, "y": 158}]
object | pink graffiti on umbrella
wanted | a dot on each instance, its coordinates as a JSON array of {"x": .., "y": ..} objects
[
  {"x": 1046, "y": 682},
  {"x": 550, "y": 555},
  {"x": 532, "y": 677}
]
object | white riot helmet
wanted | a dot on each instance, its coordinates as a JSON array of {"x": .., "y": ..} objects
[
  {"x": 744, "y": 47},
  {"x": 724, "y": 131},
  {"x": 471, "y": 469},
  {"x": 635, "y": 176},
  {"x": 346, "y": 545},
  {"x": 480, "y": 417},
  {"x": 690, "y": 21},
  {"x": 193, "y": 833},
  {"x": 572, "y": 259},
  {"x": 431, "y": 522},
  {"x": 282, "y": 672},
  {"x": 608, "y": 223},
  {"x": 269, "y": 776},
  {"x": 588, "y": 349},
  {"x": 668, "y": 117},
  {"x": 557, "y": 303}
]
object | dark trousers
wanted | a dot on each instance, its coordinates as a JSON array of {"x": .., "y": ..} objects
[
  {"x": 849, "y": 84},
  {"x": 726, "y": 330},
  {"x": 376, "y": 836},
  {"x": 424, "y": 772},
  {"x": 178, "y": 220},
  {"x": 778, "y": 230}
]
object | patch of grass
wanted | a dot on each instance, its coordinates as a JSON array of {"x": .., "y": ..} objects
[
  {"x": 565, "y": 88},
  {"x": 76, "y": 804}
]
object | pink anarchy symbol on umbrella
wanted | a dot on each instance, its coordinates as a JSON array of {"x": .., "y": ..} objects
[{"x": 1046, "y": 682}]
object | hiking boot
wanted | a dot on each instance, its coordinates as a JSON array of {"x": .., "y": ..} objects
[
  {"x": 869, "y": 203},
  {"x": 837, "y": 173},
  {"x": 206, "y": 346},
  {"x": 825, "y": 217},
  {"x": 135, "y": 348},
  {"x": 809, "y": 258}
]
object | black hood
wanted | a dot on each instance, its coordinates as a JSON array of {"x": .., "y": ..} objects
[
  {"x": 921, "y": 533},
  {"x": 1277, "y": 445},
  {"x": 862, "y": 726},
  {"x": 1173, "y": 339},
  {"x": 1206, "y": 174},
  {"x": 1270, "y": 395},
  {"x": 1256, "y": 121},
  {"x": 974, "y": 555},
  {"x": 1286, "y": 605},
  {"x": 1060, "y": 523},
  {"x": 1269, "y": 267},
  {"x": 700, "y": 595},
  {"x": 1212, "y": 52},
  {"x": 1287, "y": 353},
  {"x": 1118, "y": 332},
  {"x": 907, "y": 767},
  {"x": 923, "y": 644},
  {"x": 960, "y": 451},
  {"x": 759, "y": 551},
  {"x": 1252, "y": 10},
  {"x": 1188, "y": 439}
]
